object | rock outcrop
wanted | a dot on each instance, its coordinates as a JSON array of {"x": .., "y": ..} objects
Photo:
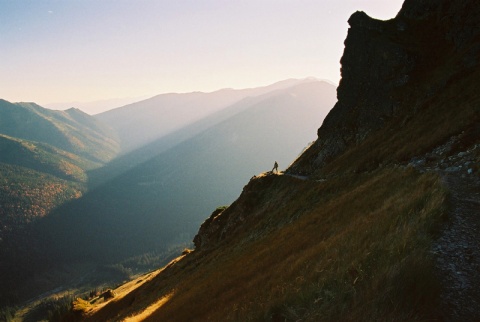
[
  {"x": 224, "y": 222},
  {"x": 384, "y": 59},
  {"x": 259, "y": 201}
]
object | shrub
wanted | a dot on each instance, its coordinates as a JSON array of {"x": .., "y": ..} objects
[{"x": 7, "y": 313}]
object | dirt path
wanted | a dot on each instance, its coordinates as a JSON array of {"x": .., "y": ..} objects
[{"x": 457, "y": 249}]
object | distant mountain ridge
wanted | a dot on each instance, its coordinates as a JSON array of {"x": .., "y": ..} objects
[
  {"x": 165, "y": 142},
  {"x": 95, "y": 107},
  {"x": 71, "y": 130},
  {"x": 142, "y": 122}
]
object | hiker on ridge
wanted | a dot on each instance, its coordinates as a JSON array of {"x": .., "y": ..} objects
[{"x": 275, "y": 167}]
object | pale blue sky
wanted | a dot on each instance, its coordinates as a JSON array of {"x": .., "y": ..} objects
[{"x": 86, "y": 50}]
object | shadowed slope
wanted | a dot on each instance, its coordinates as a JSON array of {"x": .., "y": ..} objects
[
  {"x": 286, "y": 249},
  {"x": 44, "y": 159}
]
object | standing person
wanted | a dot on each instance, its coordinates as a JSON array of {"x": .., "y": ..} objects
[{"x": 275, "y": 167}]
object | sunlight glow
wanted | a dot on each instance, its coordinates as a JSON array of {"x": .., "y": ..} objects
[{"x": 55, "y": 51}]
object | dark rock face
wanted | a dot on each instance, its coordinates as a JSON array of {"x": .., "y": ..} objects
[
  {"x": 372, "y": 65},
  {"x": 461, "y": 23},
  {"x": 225, "y": 223},
  {"x": 383, "y": 57},
  {"x": 418, "y": 9},
  {"x": 209, "y": 227},
  {"x": 458, "y": 19}
]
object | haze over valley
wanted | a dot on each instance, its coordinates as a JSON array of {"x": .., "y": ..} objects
[
  {"x": 139, "y": 179},
  {"x": 199, "y": 175}
]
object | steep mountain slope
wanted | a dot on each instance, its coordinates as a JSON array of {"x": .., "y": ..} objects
[
  {"x": 145, "y": 121},
  {"x": 161, "y": 201},
  {"x": 26, "y": 195},
  {"x": 35, "y": 178},
  {"x": 290, "y": 249},
  {"x": 362, "y": 226},
  {"x": 44, "y": 159},
  {"x": 39, "y": 147}
]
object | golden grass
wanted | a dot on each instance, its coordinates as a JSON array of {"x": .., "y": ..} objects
[
  {"x": 149, "y": 310},
  {"x": 81, "y": 306},
  {"x": 99, "y": 311},
  {"x": 361, "y": 255}
]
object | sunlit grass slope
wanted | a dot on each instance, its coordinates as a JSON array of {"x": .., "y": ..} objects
[{"x": 350, "y": 248}]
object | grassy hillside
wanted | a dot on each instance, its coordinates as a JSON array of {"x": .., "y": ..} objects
[
  {"x": 27, "y": 194},
  {"x": 306, "y": 250},
  {"x": 43, "y": 158}
]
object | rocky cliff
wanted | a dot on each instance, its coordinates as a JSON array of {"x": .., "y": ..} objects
[
  {"x": 392, "y": 73},
  {"x": 390, "y": 69}
]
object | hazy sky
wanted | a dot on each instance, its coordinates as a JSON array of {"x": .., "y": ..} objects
[{"x": 86, "y": 50}]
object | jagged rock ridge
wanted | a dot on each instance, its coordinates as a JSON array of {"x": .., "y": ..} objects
[{"x": 383, "y": 59}]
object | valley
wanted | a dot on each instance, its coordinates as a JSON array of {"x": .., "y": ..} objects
[
  {"x": 133, "y": 208},
  {"x": 168, "y": 209}
]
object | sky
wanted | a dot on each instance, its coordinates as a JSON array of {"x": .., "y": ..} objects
[{"x": 87, "y": 50}]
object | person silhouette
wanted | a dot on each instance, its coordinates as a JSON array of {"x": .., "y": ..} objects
[{"x": 275, "y": 167}]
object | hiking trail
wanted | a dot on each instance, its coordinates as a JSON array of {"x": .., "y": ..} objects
[{"x": 457, "y": 250}]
